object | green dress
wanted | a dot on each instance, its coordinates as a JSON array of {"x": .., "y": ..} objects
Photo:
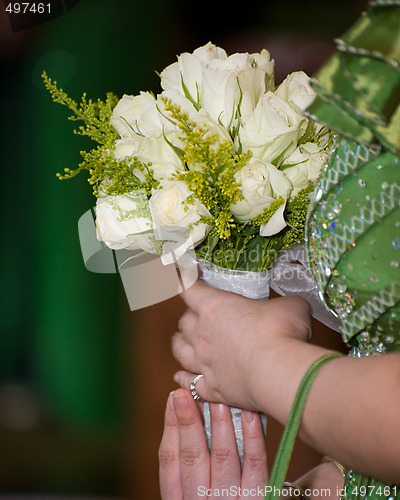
[{"x": 353, "y": 234}]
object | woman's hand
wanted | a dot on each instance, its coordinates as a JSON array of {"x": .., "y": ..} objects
[
  {"x": 228, "y": 338},
  {"x": 189, "y": 470},
  {"x": 253, "y": 354},
  {"x": 322, "y": 482}
]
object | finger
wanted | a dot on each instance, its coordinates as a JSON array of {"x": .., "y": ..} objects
[
  {"x": 196, "y": 294},
  {"x": 183, "y": 353},
  {"x": 194, "y": 455},
  {"x": 255, "y": 473},
  {"x": 225, "y": 462},
  {"x": 187, "y": 323},
  {"x": 169, "y": 456}
]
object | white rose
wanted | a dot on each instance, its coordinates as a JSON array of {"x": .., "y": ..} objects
[
  {"x": 185, "y": 106},
  {"x": 170, "y": 209},
  {"x": 153, "y": 151},
  {"x": 118, "y": 229},
  {"x": 304, "y": 165},
  {"x": 201, "y": 118},
  {"x": 189, "y": 69},
  {"x": 211, "y": 128},
  {"x": 298, "y": 177},
  {"x": 127, "y": 112},
  {"x": 219, "y": 93},
  {"x": 126, "y": 148},
  {"x": 263, "y": 60},
  {"x": 261, "y": 183},
  {"x": 209, "y": 52},
  {"x": 226, "y": 82},
  {"x": 316, "y": 158},
  {"x": 273, "y": 129},
  {"x": 254, "y": 81},
  {"x": 157, "y": 151},
  {"x": 296, "y": 89},
  {"x": 139, "y": 116}
]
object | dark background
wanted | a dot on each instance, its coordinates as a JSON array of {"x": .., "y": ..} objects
[{"x": 70, "y": 348}]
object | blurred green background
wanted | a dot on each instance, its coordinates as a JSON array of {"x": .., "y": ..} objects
[{"x": 63, "y": 330}]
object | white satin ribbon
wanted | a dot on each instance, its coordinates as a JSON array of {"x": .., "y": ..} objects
[{"x": 291, "y": 276}]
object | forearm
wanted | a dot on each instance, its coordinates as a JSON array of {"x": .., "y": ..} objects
[
  {"x": 361, "y": 398},
  {"x": 353, "y": 408}
]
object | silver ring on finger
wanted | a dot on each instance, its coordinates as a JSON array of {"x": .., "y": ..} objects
[{"x": 193, "y": 387}]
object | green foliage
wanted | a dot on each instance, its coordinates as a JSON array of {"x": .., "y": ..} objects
[
  {"x": 109, "y": 176},
  {"x": 246, "y": 249},
  {"x": 114, "y": 177},
  {"x": 267, "y": 213},
  {"x": 94, "y": 114}
]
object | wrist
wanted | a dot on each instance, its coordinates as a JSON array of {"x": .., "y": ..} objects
[{"x": 277, "y": 372}]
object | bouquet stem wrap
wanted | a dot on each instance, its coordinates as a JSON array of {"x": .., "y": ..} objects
[{"x": 250, "y": 284}]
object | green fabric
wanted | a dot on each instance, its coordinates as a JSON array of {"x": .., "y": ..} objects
[
  {"x": 357, "y": 220},
  {"x": 359, "y": 86},
  {"x": 286, "y": 446},
  {"x": 353, "y": 233},
  {"x": 354, "y": 252}
]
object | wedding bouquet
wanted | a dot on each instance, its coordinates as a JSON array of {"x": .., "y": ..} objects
[{"x": 221, "y": 155}]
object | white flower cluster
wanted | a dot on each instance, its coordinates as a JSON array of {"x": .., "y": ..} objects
[{"x": 235, "y": 98}]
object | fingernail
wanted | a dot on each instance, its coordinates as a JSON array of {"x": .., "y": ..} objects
[
  {"x": 176, "y": 377},
  {"x": 218, "y": 408},
  {"x": 249, "y": 416},
  {"x": 180, "y": 401},
  {"x": 171, "y": 400}
]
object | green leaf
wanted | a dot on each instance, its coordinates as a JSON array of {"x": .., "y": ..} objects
[
  {"x": 196, "y": 104},
  {"x": 212, "y": 241},
  {"x": 249, "y": 230},
  {"x": 179, "y": 153},
  {"x": 278, "y": 159},
  {"x": 251, "y": 256}
]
